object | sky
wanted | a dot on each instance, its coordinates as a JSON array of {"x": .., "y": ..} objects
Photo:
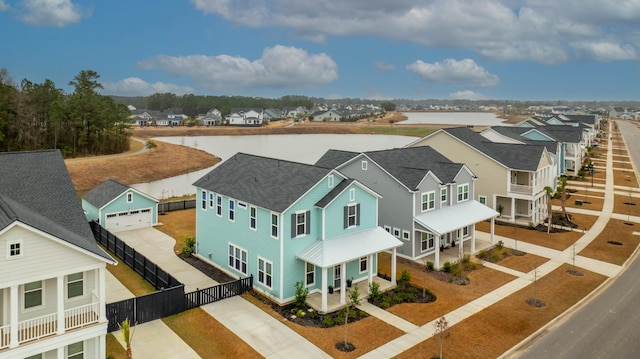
[{"x": 527, "y": 50}]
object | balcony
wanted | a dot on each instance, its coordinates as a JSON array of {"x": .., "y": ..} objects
[
  {"x": 40, "y": 327},
  {"x": 521, "y": 189}
]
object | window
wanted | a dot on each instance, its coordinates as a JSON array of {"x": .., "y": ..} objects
[
  {"x": 352, "y": 194},
  {"x": 129, "y": 197},
  {"x": 351, "y": 215},
  {"x": 232, "y": 210},
  {"x": 463, "y": 192},
  {"x": 211, "y": 199},
  {"x": 219, "y": 206},
  {"x": 75, "y": 285},
  {"x": 387, "y": 228},
  {"x": 238, "y": 259},
  {"x": 75, "y": 350},
  {"x": 396, "y": 232},
  {"x": 465, "y": 231},
  {"x": 330, "y": 181},
  {"x": 364, "y": 165},
  {"x": 310, "y": 274},
  {"x": 482, "y": 200},
  {"x": 363, "y": 264},
  {"x": 405, "y": 235},
  {"x": 14, "y": 249},
  {"x": 443, "y": 195},
  {"x": 204, "y": 200},
  {"x": 428, "y": 201},
  {"x": 253, "y": 217},
  {"x": 301, "y": 224},
  {"x": 265, "y": 271},
  {"x": 426, "y": 241},
  {"x": 274, "y": 225},
  {"x": 32, "y": 294}
]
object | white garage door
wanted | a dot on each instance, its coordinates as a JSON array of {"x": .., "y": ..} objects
[{"x": 123, "y": 221}]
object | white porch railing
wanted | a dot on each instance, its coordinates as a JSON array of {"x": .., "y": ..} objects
[
  {"x": 37, "y": 328},
  {"x": 81, "y": 316},
  {"x": 521, "y": 188},
  {"x": 45, "y": 325},
  {"x": 4, "y": 336}
]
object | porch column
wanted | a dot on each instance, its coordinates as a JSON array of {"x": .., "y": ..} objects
[
  {"x": 102, "y": 346},
  {"x": 493, "y": 225},
  {"x": 513, "y": 209},
  {"x": 473, "y": 239},
  {"x": 60, "y": 302},
  {"x": 102, "y": 299},
  {"x": 437, "y": 263},
  {"x": 60, "y": 352},
  {"x": 460, "y": 244},
  {"x": 394, "y": 256},
  {"x": 324, "y": 290},
  {"x": 14, "y": 303},
  {"x": 343, "y": 283},
  {"x": 370, "y": 270}
]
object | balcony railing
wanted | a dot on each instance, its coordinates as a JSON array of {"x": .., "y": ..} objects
[
  {"x": 46, "y": 325},
  {"x": 521, "y": 188}
]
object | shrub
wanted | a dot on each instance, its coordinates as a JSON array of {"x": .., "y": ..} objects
[
  {"x": 386, "y": 302},
  {"x": 300, "y": 300},
  {"x": 189, "y": 247},
  {"x": 374, "y": 291},
  {"x": 339, "y": 320},
  {"x": 328, "y": 322},
  {"x": 151, "y": 144},
  {"x": 500, "y": 245},
  {"x": 405, "y": 277},
  {"x": 446, "y": 267},
  {"x": 430, "y": 265},
  {"x": 300, "y": 313},
  {"x": 482, "y": 254},
  {"x": 313, "y": 314},
  {"x": 456, "y": 269},
  {"x": 495, "y": 256}
]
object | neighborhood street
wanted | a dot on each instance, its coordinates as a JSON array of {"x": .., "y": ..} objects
[{"x": 605, "y": 327}]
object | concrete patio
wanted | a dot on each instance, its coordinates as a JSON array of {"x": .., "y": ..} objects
[{"x": 314, "y": 300}]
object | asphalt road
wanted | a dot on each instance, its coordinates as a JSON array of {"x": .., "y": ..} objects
[{"x": 608, "y": 326}]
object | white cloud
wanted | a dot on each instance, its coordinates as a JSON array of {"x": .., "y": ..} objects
[
  {"x": 463, "y": 73},
  {"x": 4, "y": 6},
  {"x": 134, "y": 86},
  {"x": 383, "y": 66},
  {"x": 604, "y": 51},
  {"x": 467, "y": 95},
  {"x": 59, "y": 13},
  {"x": 510, "y": 30},
  {"x": 279, "y": 67}
]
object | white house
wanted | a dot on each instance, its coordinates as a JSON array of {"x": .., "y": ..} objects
[
  {"x": 52, "y": 273},
  {"x": 246, "y": 117}
]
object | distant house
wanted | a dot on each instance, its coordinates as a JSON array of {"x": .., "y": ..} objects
[
  {"x": 245, "y": 117},
  {"x": 294, "y": 112},
  {"x": 272, "y": 114},
  {"x": 118, "y": 207},
  {"x": 286, "y": 222},
  {"x": 212, "y": 118},
  {"x": 332, "y": 115},
  {"x": 52, "y": 272}
]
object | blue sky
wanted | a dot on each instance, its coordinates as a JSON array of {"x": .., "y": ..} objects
[{"x": 378, "y": 49}]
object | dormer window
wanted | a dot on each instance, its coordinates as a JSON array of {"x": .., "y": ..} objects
[
  {"x": 14, "y": 249},
  {"x": 129, "y": 197}
]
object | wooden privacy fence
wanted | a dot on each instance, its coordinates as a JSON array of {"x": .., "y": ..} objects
[{"x": 176, "y": 206}]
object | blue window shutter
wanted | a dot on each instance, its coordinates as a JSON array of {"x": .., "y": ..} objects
[
  {"x": 358, "y": 214},
  {"x": 293, "y": 225},
  {"x": 308, "y": 221},
  {"x": 345, "y": 218}
]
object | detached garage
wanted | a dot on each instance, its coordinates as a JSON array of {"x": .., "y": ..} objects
[{"x": 118, "y": 207}]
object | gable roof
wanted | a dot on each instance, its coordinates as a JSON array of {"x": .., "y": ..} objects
[
  {"x": 105, "y": 192},
  {"x": 334, "y": 193},
  {"x": 524, "y": 157},
  {"x": 266, "y": 182},
  {"x": 36, "y": 189},
  {"x": 334, "y": 158}
]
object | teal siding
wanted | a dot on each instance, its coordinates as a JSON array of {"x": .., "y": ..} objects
[
  {"x": 537, "y": 136},
  {"x": 91, "y": 212},
  {"x": 120, "y": 204},
  {"x": 334, "y": 213}
]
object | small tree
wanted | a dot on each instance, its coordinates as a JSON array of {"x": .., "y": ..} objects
[
  {"x": 354, "y": 300},
  {"x": 563, "y": 196},
  {"x": 301, "y": 295},
  {"x": 549, "y": 192},
  {"x": 440, "y": 327},
  {"x": 127, "y": 336}
]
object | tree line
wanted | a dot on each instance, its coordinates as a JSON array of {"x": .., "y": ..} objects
[{"x": 37, "y": 116}]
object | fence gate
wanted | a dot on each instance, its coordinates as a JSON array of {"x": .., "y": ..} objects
[{"x": 119, "y": 311}]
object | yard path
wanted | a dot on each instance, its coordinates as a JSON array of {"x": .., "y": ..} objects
[{"x": 106, "y": 157}]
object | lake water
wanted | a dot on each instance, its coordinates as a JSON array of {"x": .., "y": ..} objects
[
  {"x": 452, "y": 118},
  {"x": 298, "y": 148}
]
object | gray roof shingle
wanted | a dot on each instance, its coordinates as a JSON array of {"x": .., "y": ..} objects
[
  {"x": 105, "y": 192},
  {"x": 36, "y": 189},
  {"x": 266, "y": 182}
]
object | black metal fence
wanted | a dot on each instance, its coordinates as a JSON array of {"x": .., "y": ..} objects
[
  {"x": 176, "y": 206},
  {"x": 218, "y": 292},
  {"x": 146, "y": 308}
]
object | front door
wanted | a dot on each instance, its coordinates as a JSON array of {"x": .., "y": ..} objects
[{"x": 336, "y": 277}]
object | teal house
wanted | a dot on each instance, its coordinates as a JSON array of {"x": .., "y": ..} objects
[
  {"x": 118, "y": 207},
  {"x": 284, "y": 222}
]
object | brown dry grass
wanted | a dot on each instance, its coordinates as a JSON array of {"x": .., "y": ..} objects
[
  {"x": 166, "y": 160},
  {"x": 208, "y": 337},
  {"x": 618, "y": 231},
  {"x": 625, "y": 178},
  {"x": 179, "y": 225},
  {"x": 114, "y": 348},
  {"x": 591, "y": 200},
  {"x": 524, "y": 264},
  {"x": 621, "y": 164},
  {"x": 511, "y": 320},
  {"x": 449, "y": 296},
  {"x": 365, "y": 334},
  {"x": 129, "y": 278},
  {"x": 620, "y": 205},
  {"x": 558, "y": 240}
]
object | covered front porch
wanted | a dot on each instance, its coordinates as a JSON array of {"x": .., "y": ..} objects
[
  {"x": 452, "y": 254},
  {"x": 455, "y": 219},
  {"x": 328, "y": 254},
  {"x": 314, "y": 300}
]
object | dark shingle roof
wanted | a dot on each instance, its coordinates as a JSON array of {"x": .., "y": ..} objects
[
  {"x": 36, "y": 189},
  {"x": 520, "y": 157},
  {"x": 266, "y": 182},
  {"x": 334, "y": 193},
  {"x": 334, "y": 158},
  {"x": 105, "y": 192}
]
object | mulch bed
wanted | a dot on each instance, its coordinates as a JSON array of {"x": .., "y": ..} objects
[{"x": 208, "y": 270}]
